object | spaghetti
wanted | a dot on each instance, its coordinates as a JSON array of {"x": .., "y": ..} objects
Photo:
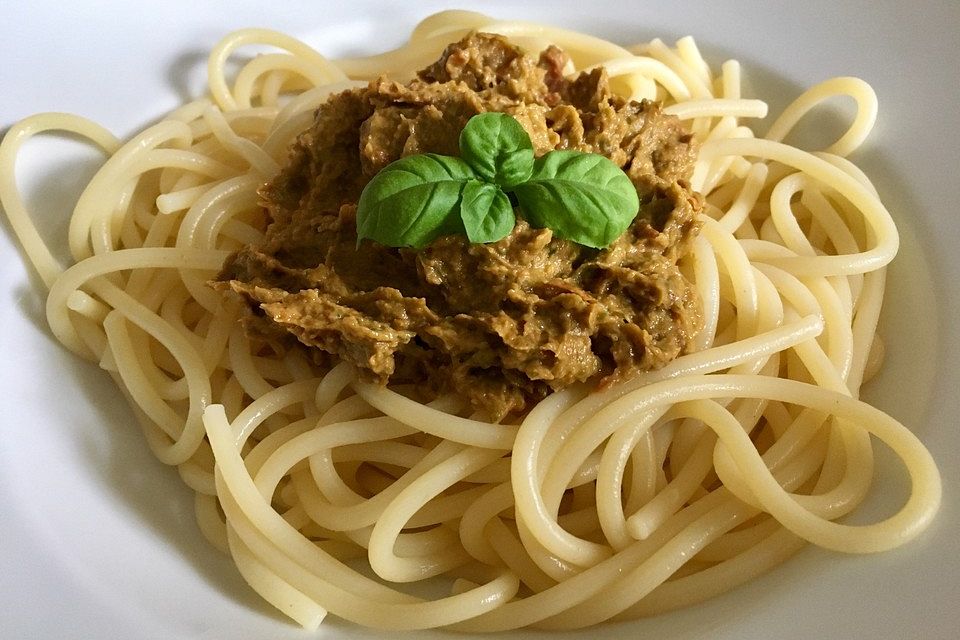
[{"x": 647, "y": 496}]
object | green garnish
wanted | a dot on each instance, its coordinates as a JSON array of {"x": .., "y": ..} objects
[
  {"x": 414, "y": 200},
  {"x": 582, "y": 197},
  {"x": 497, "y": 148}
]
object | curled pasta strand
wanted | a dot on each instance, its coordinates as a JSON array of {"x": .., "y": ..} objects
[{"x": 860, "y": 91}]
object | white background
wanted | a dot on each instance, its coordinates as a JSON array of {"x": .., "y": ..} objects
[{"x": 97, "y": 539}]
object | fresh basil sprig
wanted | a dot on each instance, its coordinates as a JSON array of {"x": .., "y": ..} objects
[{"x": 582, "y": 197}]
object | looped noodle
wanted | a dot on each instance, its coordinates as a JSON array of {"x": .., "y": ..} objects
[{"x": 859, "y": 129}]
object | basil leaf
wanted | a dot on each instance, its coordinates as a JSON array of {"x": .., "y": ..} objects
[
  {"x": 583, "y": 197},
  {"x": 413, "y": 201},
  {"x": 498, "y": 149},
  {"x": 486, "y": 212}
]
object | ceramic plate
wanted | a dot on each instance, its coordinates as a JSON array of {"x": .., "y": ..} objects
[{"x": 98, "y": 538}]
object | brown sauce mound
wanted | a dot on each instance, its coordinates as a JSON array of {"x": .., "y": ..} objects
[{"x": 502, "y": 324}]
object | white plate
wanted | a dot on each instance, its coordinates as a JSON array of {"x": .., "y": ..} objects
[{"x": 98, "y": 539}]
